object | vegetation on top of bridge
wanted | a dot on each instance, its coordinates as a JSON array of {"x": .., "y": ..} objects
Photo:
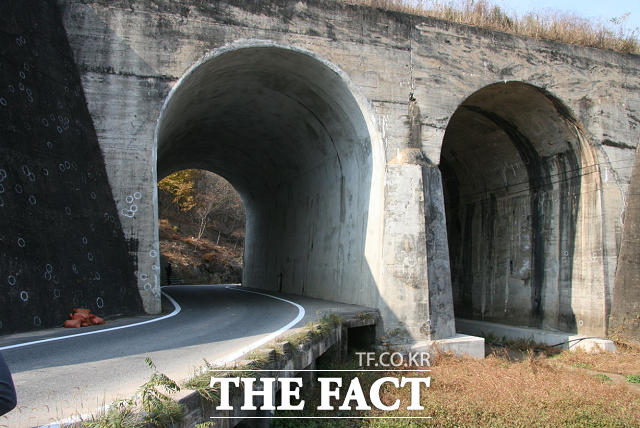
[
  {"x": 152, "y": 406},
  {"x": 549, "y": 25}
]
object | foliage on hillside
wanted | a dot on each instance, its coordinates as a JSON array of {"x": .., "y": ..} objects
[
  {"x": 201, "y": 224},
  {"x": 181, "y": 186},
  {"x": 548, "y": 25}
]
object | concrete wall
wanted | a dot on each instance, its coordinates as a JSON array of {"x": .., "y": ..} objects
[
  {"x": 343, "y": 195},
  {"x": 625, "y": 306},
  {"x": 60, "y": 237},
  {"x": 524, "y": 211}
]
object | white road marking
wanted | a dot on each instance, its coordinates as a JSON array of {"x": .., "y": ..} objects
[
  {"x": 221, "y": 362},
  {"x": 175, "y": 312},
  {"x": 240, "y": 352}
]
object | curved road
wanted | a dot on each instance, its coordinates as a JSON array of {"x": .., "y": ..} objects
[{"x": 61, "y": 378}]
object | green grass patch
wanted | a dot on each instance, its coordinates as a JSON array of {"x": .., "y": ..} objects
[
  {"x": 633, "y": 378},
  {"x": 603, "y": 377},
  {"x": 582, "y": 365}
]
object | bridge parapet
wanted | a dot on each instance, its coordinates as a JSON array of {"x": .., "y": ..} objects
[{"x": 333, "y": 344}]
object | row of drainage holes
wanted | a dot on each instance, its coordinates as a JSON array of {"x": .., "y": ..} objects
[
  {"x": 18, "y": 188},
  {"x": 66, "y": 165},
  {"x": 21, "y": 86},
  {"x": 33, "y": 200},
  {"x": 45, "y": 122},
  {"x": 26, "y": 68},
  {"x": 49, "y": 273},
  {"x": 12, "y": 279},
  {"x": 4, "y": 103},
  {"x": 49, "y": 277},
  {"x": 64, "y": 120},
  {"x": 36, "y": 321},
  {"x": 24, "y": 296}
]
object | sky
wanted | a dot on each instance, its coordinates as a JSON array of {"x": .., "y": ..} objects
[{"x": 597, "y": 9}]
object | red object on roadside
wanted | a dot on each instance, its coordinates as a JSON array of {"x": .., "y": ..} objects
[
  {"x": 97, "y": 320},
  {"x": 79, "y": 316},
  {"x": 72, "y": 323},
  {"x": 82, "y": 318}
]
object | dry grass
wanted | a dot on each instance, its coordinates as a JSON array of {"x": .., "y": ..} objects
[
  {"x": 549, "y": 25},
  {"x": 625, "y": 361},
  {"x": 495, "y": 392}
]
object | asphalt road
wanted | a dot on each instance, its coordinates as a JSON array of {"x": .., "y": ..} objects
[{"x": 77, "y": 375}]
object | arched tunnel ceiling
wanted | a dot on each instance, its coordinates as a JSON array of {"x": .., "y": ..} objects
[
  {"x": 259, "y": 116},
  {"x": 500, "y": 136}
]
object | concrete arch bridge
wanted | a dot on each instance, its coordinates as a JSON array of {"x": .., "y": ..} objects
[{"x": 432, "y": 170}]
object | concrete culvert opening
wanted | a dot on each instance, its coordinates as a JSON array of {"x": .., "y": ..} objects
[
  {"x": 284, "y": 128},
  {"x": 521, "y": 195},
  {"x": 361, "y": 338}
]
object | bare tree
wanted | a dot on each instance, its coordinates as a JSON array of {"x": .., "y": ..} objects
[{"x": 217, "y": 198}]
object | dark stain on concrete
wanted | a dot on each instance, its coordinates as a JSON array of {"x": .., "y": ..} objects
[
  {"x": 539, "y": 183},
  {"x": 617, "y": 144},
  {"x": 466, "y": 257},
  {"x": 569, "y": 186}
]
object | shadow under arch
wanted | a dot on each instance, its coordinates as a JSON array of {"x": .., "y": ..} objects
[
  {"x": 296, "y": 139},
  {"x": 521, "y": 188}
]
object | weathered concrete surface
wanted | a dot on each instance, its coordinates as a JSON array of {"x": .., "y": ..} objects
[
  {"x": 625, "y": 306},
  {"x": 558, "y": 339},
  {"x": 60, "y": 238},
  {"x": 305, "y": 105},
  {"x": 524, "y": 211},
  {"x": 459, "y": 344}
]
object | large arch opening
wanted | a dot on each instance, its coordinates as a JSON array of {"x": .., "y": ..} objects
[
  {"x": 289, "y": 131},
  {"x": 521, "y": 195}
]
